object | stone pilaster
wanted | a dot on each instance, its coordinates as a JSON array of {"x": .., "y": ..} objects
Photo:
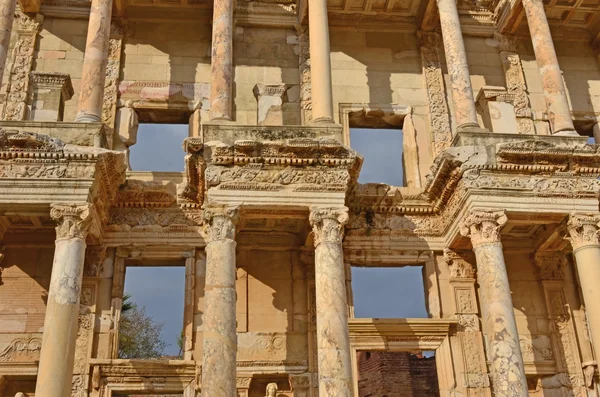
[
  {"x": 584, "y": 232},
  {"x": 305, "y": 76},
  {"x": 95, "y": 60},
  {"x": 320, "y": 62},
  {"x": 270, "y": 99},
  {"x": 7, "y": 15},
  {"x": 333, "y": 340},
  {"x": 220, "y": 337},
  {"x": 515, "y": 82},
  {"x": 62, "y": 311},
  {"x": 465, "y": 112},
  {"x": 508, "y": 371},
  {"x": 552, "y": 81},
  {"x": 221, "y": 89}
]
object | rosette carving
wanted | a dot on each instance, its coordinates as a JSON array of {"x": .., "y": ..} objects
[
  {"x": 219, "y": 222},
  {"x": 583, "y": 230},
  {"x": 73, "y": 220},
  {"x": 328, "y": 224},
  {"x": 483, "y": 227}
]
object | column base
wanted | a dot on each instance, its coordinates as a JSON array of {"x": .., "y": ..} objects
[
  {"x": 221, "y": 120},
  {"x": 322, "y": 121},
  {"x": 566, "y": 133},
  {"x": 83, "y": 117},
  {"x": 471, "y": 128}
]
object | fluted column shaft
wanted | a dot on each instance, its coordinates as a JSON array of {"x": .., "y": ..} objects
[
  {"x": 55, "y": 372},
  {"x": 584, "y": 232},
  {"x": 508, "y": 370},
  {"x": 7, "y": 16},
  {"x": 221, "y": 87},
  {"x": 93, "y": 74},
  {"x": 555, "y": 94},
  {"x": 220, "y": 337},
  {"x": 320, "y": 62},
  {"x": 465, "y": 112},
  {"x": 333, "y": 339}
]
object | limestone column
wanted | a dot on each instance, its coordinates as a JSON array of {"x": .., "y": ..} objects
[
  {"x": 508, "y": 371},
  {"x": 219, "y": 337},
  {"x": 62, "y": 310},
  {"x": 584, "y": 230},
  {"x": 7, "y": 15},
  {"x": 545, "y": 55},
  {"x": 95, "y": 60},
  {"x": 221, "y": 87},
  {"x": 465, "y": 112},
  {"x": 320, "y": 62},
  {"x": 333, "y": 339}
]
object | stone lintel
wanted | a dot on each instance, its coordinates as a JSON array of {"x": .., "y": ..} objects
[{"x": 229, "y": 133}]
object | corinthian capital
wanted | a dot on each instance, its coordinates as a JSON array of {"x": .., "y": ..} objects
[
  {"x": 220, "y": 221},
  {"x": 328, "y": 224},
  {"x": 73, "y": 220},
  {"x": 583, "y": 230},
  {"x": 483, "y": 227}
]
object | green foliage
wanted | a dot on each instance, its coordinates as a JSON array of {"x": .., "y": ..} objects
[{"x": 139, "y": 334}]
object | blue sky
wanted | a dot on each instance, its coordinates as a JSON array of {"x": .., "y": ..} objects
[{"x": 378, "y": 292}]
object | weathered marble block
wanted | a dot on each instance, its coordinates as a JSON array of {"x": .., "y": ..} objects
[
  {"x": 50, "y": 91},
  {"x": 496, "y": 106},
  {"x": 270, "y": 99}
]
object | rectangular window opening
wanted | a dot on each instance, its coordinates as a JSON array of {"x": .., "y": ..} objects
[
  {"x": 394, "y": 292},
  {"x": 159, "y": 148},
  {"x": 397, "y": 374},
  {"x": 382, "y": 150},
  {"x": 151, "y": 323}
]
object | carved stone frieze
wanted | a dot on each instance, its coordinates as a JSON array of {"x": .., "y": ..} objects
[
  {"x": 584, "y": 230},
  {"x": 145, "y": 194},
  {"x": 219, "y": 222},
  {"x": 163, "y": 217},
  {"x": 26, "y": 348},
  {"x": 328, "y": 224},
  {"x": 483, "y": 227},
  {"x": 73, "y": 220}
]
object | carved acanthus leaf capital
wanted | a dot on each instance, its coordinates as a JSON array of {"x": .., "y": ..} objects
[
  {"x": 430, "y": 40},
  {"x": 483, "y": 227},
  {"x": 583, "y": 230},
  {"x": 73, "y": 220},
  {"x": 506, "y": 42},
  {"x": 219, "y": 222},
  {"x": 328, "y": 224},
  {"x": 459, "y": 267},
  {"x": 551, "y": 265}
]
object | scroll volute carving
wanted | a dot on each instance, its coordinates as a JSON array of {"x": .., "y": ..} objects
[
  {"x": 328, "y": 224},
  {"x": 584, "y": 230},
  {"x": 220, "y": 222},
  {"x": 73, "y": 220},
  {"x": 483, "y": 227}
]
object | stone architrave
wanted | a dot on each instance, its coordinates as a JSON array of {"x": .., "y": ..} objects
[
  {"x": 439, "y": 117},
  {"x": 221, "y": 88},
  {"x": 584, "y": 233},
  {"x": 50, "y": 92},
  {"x": 320, "y": 62},
  {"x": 508, "y": 371},
  {"x": 270, "y": 99},
  {"x": 62, "y": 311},
  {"x": 465, "y": 112},
  {"x": 95, "y": 61},
  {"x": 17, "y": 91},
  {"x": 333, "y": 339},
  {"x": 553, "y": 86},
  {"x": 515, "y": 82},
  {"x": 220, "y": 337},
  {"x": 7, "y": 16}
]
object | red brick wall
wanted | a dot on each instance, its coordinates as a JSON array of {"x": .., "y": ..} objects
[{"x": 396, "y": 374}]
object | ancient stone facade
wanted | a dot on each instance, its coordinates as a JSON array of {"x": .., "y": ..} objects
[{"x": 498, "y": 103}]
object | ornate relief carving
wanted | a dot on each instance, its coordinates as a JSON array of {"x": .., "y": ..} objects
[
  {"x": 439, "y": 116},
  {"x": 17, "y": 95},
  {"x": 551, "y": 264},
  {"x": 468, "y": 322},
  {"x": 483, "y": 227},
  {"x": 243, "y": 383},
  {"x": 328, "y": 224},
  {"x": 219, "y": 222},
  {"x": 22, "y": 349},
  {"x": 300, "y": 381},
  {"x": 16, "y": 141},
  {"x": 536, "y": 348},
  {"x": 111, "y": 85},
  {"x": 459, "y": 267},
  {"x": 305, "y": 75},
  {"x": 163, "y": 217},
  {"x": 584, "y": 230},
  {"x": 191, "y": 190},
  {"x": 73, "y": 220},
  {"x": 94, "y": 261},
  {"x": 137, "y": 193}
]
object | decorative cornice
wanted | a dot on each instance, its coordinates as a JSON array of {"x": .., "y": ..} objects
[
  {"x": 551, "y": 265},
  {"x": 483, "y": 227},
  {"x": 328, "y": 224},
  {"x": 73, "y": 220},
  {"x": 56, "y": 80},
  {"x": 584, "y": 230},
  {"x": 220, "y": 222}
]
